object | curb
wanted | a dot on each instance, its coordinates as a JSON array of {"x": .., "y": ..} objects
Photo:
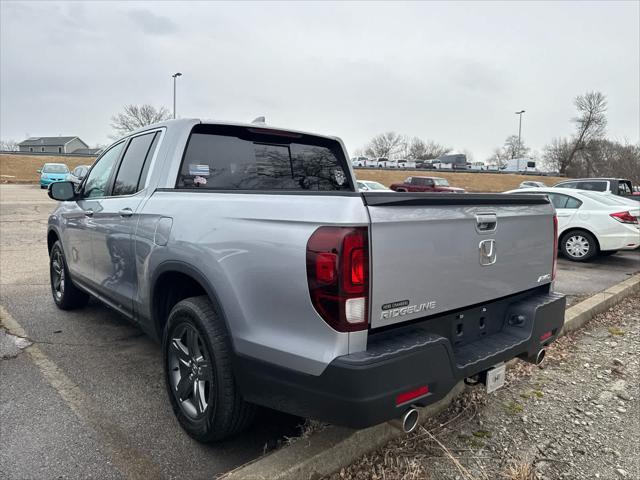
[
  {"x": 329, "y": 450},
  {"x": 579, "y": 314}
]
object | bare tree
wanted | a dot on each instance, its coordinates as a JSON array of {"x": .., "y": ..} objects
[
  {"x": 512, "y": 148},
  {"x": 421, "y": 150},
  {"x": 556, "y": 155},
  {"x": 385, "y": 145},
  {"x": 607, "y": 158},
  {"x": 9, "y": 146},
  {"x": 137, "y": 116},
  {"x": 591, "y": 121}
]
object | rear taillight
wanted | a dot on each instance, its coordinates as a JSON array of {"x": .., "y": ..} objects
[
  {"x": 624, "y": 217},
  {"x": 338, "y": 276},
  {"x": 555, "y": 247}
]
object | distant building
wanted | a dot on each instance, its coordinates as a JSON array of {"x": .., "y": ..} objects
[{"x": 51, "y": 145}]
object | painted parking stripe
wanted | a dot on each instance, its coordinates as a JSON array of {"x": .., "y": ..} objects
[{"x": 130, "y": 461}]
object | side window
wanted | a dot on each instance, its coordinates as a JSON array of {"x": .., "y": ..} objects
[
  {"x": 573, "y": 203},
  {"x": 145, "y": 169},
  {"x": 593, "y": 186},
  {"x": 623, "y": 188},
  {"x": 559, "y": 201},
  {"x": 428, "y": 182},
  {"x": 567, "y": 185},
  {"x": 98, "y": 177},
  {"x": 130, "y": 171}
]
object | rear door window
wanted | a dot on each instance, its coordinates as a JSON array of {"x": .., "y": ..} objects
[
  {"x": 128, "y": 177},
  {"x": 221, "y": 157}
]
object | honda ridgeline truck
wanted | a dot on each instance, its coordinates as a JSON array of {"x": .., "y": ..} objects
[{"x": 270, "y": 280}]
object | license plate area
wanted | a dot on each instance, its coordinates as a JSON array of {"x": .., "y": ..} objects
[{"x": 495, "y": 377}]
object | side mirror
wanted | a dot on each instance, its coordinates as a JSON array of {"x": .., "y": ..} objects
[
  {"x": 39, "y": 170},
  {"x": 62, "y": 191}
]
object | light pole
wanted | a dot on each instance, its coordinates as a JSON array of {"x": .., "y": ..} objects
[
  {"x": 175, "y": 75},
  {"x": 519, "y": 130}
]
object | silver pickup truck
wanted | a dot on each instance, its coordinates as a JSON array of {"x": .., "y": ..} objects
[{"x": 272, "y": 281}]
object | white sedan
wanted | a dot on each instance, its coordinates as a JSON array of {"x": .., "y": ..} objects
[
  {"x": 371, "y": 186},
  {"x": 591, "y": 222}
]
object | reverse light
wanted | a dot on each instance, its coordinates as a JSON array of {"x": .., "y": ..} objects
[
  {"x": 338, "y": 276},
  {"x": 624, "y": 217},
  {"x": 411, "y": 395}
]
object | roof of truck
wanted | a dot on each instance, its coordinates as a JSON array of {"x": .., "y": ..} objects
[{"x": 194, "y": 121}]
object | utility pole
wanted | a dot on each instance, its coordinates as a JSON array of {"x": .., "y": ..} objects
[
  {"x": 175, "y": 75},
  {"x": 519, "y": 131}
]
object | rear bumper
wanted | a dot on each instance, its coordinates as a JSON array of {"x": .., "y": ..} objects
[
  {"x": 628, "y": 240},
  {"x": 360, "y": 390}
]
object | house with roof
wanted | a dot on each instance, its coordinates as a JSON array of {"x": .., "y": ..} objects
[{"x": 51, "y": 145}]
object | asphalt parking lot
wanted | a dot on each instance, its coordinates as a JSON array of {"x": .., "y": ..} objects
[{"x": 89, "y": 401}]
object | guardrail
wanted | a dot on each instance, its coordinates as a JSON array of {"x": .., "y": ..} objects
[
  {"x": 448, "y": 170},
  {"x": 49, "y": 154}
]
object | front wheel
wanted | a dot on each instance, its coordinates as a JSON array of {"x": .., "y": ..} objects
[
  {"x": 66, "y": 295},
  {"x": 578, "y": 246},
  {"x": 198, "y": 372}
]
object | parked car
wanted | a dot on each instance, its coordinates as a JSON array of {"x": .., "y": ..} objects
[
  {"x": 359, "y": 162},
  {"x": 272, "y": 281},
  {"x": 531, "y": 184},
  {"x": 424, "y": 164},
  {"x": 592, "y": 223},
  {"x": 425, "y": 184},
  {"x": 78, "y": 173},
  {"x": 53, "y": 172},
  {"x": 616, "y": 186},
  {"x": 371, "y": 186}
]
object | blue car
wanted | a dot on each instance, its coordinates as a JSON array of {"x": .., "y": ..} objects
[{"x": 53, "y": 172}]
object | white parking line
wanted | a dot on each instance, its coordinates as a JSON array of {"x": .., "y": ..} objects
[{"x": 131, "y": 462}]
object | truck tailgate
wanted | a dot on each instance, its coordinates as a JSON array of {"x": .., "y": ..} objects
[{"x": 432, "y": 253}]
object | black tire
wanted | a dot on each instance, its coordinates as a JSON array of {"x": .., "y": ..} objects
[
  {"x": 607, "y": 253},
  {"x": 578, "y": 245},
  {"x": 65, "y": 294},
  {"x": 225, "y": 412}
]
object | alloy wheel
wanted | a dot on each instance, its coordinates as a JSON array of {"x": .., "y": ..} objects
[
  {"x": 190, "y": 372},
  {"x": 57, "y": 273}
]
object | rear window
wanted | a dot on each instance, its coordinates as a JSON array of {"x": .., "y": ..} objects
[
  {"x": 221, "y": 157},
  {"x": 593, "y": 186}
]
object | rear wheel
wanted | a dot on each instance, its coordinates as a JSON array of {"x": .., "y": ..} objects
[
  {"x": 66, "y": 295},
  {"x": 198, "y": 372},
  {"x": 578, "y": 245}
]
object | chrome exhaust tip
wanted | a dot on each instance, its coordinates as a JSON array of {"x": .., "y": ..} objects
[
  {"x": 410, "y": 420},
  {"x": 537, "y": 358}
]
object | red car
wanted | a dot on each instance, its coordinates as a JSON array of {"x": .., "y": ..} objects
[{"x": 425, "y": 184}]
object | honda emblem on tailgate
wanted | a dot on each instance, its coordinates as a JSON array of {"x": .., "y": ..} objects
[{"x": 487, "y": 252}]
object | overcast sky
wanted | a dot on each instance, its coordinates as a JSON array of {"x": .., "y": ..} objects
[{"x": 451, "y": 72}]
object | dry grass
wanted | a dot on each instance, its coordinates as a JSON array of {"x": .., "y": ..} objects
[
  {"x": 24, "y": 168},
  {"x": 520, "y": 471},
  {"x": 472, "y": 182}
]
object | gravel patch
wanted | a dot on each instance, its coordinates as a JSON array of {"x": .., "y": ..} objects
[{"x": 576, "y": 416}]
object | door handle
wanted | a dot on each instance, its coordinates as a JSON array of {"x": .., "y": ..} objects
[
  {"x": 126, "y": 212},
  {"x": 88, "y": 212}
]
